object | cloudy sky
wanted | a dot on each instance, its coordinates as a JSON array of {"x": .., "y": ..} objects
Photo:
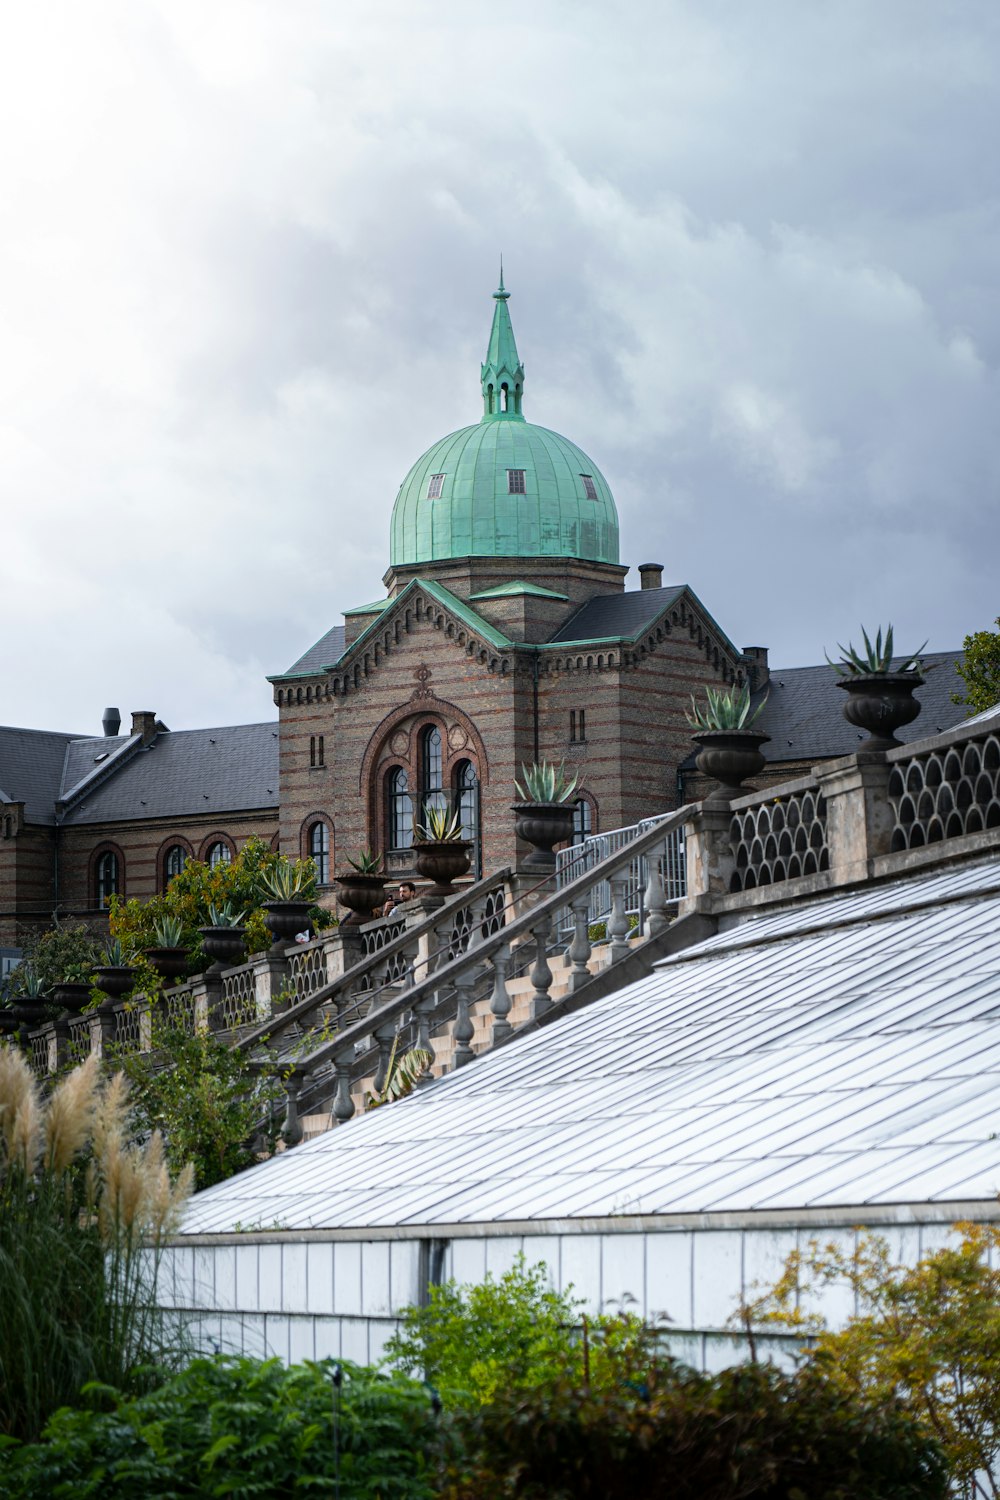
[{"x": 246, "y": 256}]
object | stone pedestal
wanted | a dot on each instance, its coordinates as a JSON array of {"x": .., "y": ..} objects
[
  {"x": 859, "y": 815},
  {"x": 708, "y": 856}
]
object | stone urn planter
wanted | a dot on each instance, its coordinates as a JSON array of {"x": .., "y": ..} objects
[
  {"x": 284, "y": 921},
  {"x": 224, "y": 944},
  {"x": 115, "y": 980},
  {"x": 543, "y": 825},
  {"x": 443, "y": 861},
  {"x": 361, "y": 894},
  {"x": 71, "y": 998},
  {"x": 881, "y": 703},
  {"x": 730, "y": 757},
  {"x": 170, "y": 963}
]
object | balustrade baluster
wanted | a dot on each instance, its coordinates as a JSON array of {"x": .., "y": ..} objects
[
  {"x": 541, "y": 974},
  {"x": 463, "y": 1030},
  {"x": 655, "y": 897},
  {"x": 343, "y": 1104},
  {"x": 423, "y": 1010},
  {"x": 500, "y": 1000},
  {"x": 385, "y": 1036},
  {"x": 291, "y": 1130},
  {"x": 579, "y": 949},
  {"x": 618, "y": 928}
]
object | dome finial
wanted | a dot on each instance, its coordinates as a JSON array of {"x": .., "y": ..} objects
[{"x": 502, "y": 372}]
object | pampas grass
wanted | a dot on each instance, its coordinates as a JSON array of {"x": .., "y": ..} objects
[{"x": 83, "y": 1214}]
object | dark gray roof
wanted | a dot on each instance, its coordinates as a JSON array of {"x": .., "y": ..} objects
[
  {"x": 92, "y": 760},
  {"x": 328, "y": 649},
  {"x": 31, "y": 770},
  {"x": 612, "y": 616},
  {"x": 804, "y": 713},
  {"x": 187, "y": 772}
]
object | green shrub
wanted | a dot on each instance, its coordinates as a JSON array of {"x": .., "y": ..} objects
[
  {"x": 238, "y": 1427},
  {"x": 515, "y": 1333},
  {"x": 676, "y": 1435}
]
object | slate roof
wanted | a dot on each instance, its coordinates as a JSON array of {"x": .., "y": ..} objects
[
  {"x": 31, "y": 770},
  {"x": 187, "y": 772},
  {"x": 613, "y": 616},
  {"x": 804, "y": 714},
  {"x": 329, "y": 648},
  {"x": 843, "y": 1052}
]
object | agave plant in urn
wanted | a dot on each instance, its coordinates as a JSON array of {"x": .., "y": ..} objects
[
  {"x": 222, "y": 937},
  {"x": 544, "y": 816},
  {"x": 361, "y": 888},
  {"x": 728, "y": 745},
  {"x": 442, "y": 854},
  {"x": 168, "y": 955},
  {"x": 879, "y": 695},
  {"x": 115, "y": 976},
  {"x": 289, "y": 889}
]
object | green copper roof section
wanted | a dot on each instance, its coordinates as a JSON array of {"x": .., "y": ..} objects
[
  {"x": 375, "y": 608},
  {"x": 503, "y": 488},
  {"x": 444, "y": 596},
  {"x": 502, "y": 371},
  {"x": 517, "y": 589}
]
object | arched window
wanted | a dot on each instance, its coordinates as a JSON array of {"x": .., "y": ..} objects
[
  {"x": 107, "y": 877},
  {"x": 431, "y": 769},
  {"x": 319, "y": 851},
  {"x": 582, "y": 820},
  {"x": 467, "y": 807},
  {"x": 219, "y": 854},
  {"x": 173, "y": 862},
  {"x": 398, "y": 810}
]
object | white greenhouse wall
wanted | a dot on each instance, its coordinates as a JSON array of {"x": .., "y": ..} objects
[{"x": 309, "y": 1297}]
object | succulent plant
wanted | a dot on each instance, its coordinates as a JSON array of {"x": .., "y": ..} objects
[
  {"x": 725, "y": 709},
  {"x": 440, "y": 826},
  {"x": 288, "y": 881},
  {"x": 77, "y": 974},
  {"x": 877, "y": 658},
  {"x": 225, "y": 915},
  {"x": 114, "y": 954},
  {"x": 169, "y": 932},
  {"x": 544, "y": 781},
  {"x": 28, "y": 983},
  {"x": 366, "y": 862}
]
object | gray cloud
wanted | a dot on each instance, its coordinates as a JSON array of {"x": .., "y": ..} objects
[{"x": 245, "y": 266}]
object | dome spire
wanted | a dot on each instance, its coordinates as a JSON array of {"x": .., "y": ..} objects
[{"x": 502, "y": 372}]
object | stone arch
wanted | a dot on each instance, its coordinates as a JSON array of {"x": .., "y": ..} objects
[
  {"x": 98, "y": 853},
  {"x": 426, "y": 712},
  {"x": 175, "y": 841},
  {"x": 217, "y": 838}
]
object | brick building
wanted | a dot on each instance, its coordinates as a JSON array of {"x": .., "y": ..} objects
[{"x": 506, "y": 634}]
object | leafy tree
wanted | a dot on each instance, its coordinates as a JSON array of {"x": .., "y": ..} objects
[
  {"x": 205, "y": 1098},
  {"x": 980, "y": 670},
  {"x": 928, "y": 1335},
  {"x": 61, "y": 949}
]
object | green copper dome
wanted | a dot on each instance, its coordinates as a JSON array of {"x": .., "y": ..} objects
[{"x": 504, "y": 487}]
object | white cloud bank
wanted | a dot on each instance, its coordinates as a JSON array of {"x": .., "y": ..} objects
[{"x": 246, "y": 251}]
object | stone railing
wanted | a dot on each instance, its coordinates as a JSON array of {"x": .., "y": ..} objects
[
  {"x": 946, "y": 790},
  {"x": 778, "y": 835},
  {"x": 517, "y": 936}
]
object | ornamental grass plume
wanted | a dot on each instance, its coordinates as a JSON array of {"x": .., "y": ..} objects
[{"x": 83, "y": 1215}]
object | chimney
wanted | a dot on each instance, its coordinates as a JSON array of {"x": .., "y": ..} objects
[
  {"x": 144, "y": 724},
  {"x": 111, "y": 723},
  {"x": 758, "y": 671},
  {"x": 651, "y": 575}
]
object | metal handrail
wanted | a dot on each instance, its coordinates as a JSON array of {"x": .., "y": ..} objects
[
  {"x": 531, "y": 922},
  {"x": 286, "y": 1019}
]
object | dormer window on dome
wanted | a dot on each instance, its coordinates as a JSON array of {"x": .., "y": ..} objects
[
  {"x": 515, "y": 481},
  {"x": 589, "y": 487},
  {"x": 434, "y": 486}
]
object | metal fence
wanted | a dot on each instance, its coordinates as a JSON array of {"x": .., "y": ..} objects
[{"x": 579, "y": 858}]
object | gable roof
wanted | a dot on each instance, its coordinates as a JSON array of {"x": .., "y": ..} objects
[
  {"x": 188, "y": 772},
  {"x": 31, "y": 770},
  {"x": 842, "y": 1052},
  {"x": 610, "y": 617}
]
